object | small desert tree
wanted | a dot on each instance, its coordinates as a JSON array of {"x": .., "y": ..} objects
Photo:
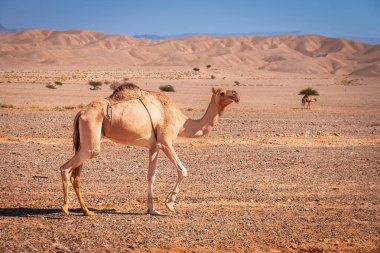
[
  {"x": 196, "y": 70},
  {"x": 208, "y": 67},
  {"x": 51, "y": 86},
  {"x": 95, "y": 85},
  {"x": 308, "y": 92}
]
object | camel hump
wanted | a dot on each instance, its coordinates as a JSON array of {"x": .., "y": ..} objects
[
  {"x": 128, "y": 91},
  {"x": 125, "y": 91},
  {"x": 126, "y": 86}
]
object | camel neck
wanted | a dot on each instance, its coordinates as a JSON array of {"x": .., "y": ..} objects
[{"x": 197, "y": 128}]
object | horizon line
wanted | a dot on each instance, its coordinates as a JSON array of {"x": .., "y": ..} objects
[{"x": 151, "y": 36}]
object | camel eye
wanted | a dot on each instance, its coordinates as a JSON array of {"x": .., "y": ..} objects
[{"x": 221, "y": 94}]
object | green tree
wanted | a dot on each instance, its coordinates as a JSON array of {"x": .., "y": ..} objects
[{"x": 309, "y": 92}]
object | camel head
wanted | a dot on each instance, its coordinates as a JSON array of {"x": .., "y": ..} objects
[{"x": 223, "y": 97}]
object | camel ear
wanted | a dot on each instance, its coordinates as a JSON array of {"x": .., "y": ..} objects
[{"x": 213, "y": 90}]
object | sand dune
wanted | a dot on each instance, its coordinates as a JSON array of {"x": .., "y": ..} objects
[{"x": 286, "y": 53}]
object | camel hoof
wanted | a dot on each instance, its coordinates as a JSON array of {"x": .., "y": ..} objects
[
  {"x": 65, "y": 209},
  {"x": 170, "y": 206},
  {"x": 88, "y": 213},
  {"x": 153, "y": 212}
]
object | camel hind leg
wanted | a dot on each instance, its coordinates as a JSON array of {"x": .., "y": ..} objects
[
  {"x": 90, "y": 133},
  {"x": 75, "y": 180},
  {"x": 69, "y": 170}
]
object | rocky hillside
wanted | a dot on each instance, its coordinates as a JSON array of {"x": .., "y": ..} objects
[{"x": 284, "y": 53}]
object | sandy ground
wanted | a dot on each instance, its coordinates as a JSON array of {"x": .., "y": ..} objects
[{"x": 271, "y": 177}]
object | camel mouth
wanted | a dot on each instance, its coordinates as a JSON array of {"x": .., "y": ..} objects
[{"x": 236, "y": 99}]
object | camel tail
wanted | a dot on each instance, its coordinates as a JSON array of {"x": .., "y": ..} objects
[{"x": 76, "y": 135}]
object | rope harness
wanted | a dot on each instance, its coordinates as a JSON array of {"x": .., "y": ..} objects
[
  {"x": 109, "y": 111},
  {"x": 141, "y": 98},
  {"x": 150, "y": 117}
]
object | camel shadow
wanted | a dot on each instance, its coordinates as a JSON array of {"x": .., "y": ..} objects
[
  {"x": 114, "y": 211},
  {"x": 27, "y": 211}
]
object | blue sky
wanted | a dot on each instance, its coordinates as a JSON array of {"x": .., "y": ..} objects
[{"x": 334, "y": 18}]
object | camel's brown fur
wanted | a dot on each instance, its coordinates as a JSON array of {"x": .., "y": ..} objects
[{"x": 125, "y": 91}]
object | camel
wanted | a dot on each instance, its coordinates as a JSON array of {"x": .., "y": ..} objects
[
  {"x": 307, "y": 99},
  {"x": 137, "y": 117}
]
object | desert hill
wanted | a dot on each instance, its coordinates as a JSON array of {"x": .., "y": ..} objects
[{"x": 284, "y": 53}]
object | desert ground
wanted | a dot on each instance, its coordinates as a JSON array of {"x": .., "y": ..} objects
[{"x": 271, "y": 177}]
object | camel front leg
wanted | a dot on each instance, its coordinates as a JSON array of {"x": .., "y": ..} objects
[
  {"x": 182, "y": 172},
  {"x": 153, "y": 155}
]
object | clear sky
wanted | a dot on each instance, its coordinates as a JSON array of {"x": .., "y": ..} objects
[{"x": 166, "y": 17}]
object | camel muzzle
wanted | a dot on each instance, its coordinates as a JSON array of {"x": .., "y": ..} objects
[{"x": 235, "y": 97}]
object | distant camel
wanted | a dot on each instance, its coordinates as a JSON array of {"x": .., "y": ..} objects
[
  {"x": 143, "y": 118},
  {"x": 307, "y": 99}
]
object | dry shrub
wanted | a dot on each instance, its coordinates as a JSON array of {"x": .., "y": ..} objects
[
  {"x": 167, "y": 88},
  {"x": 6, "y": 106},
  {"x": 50, "y": 86},
  {"x": 95, "y": 85},
  {"x": 350, "y": 82}
]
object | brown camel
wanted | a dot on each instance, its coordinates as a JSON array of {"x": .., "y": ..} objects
[
  {"x": 307, "y": 99},
  {"x": 137, "y": 117}
]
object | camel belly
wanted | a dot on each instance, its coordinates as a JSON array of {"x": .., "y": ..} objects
[{"x": 130, "y": 125}]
